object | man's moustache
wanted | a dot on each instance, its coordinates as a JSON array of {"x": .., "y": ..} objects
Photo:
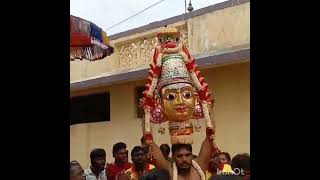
[{"x": 185, "y": 164}]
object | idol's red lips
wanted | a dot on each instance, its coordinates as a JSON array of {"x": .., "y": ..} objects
[
  {"x": 170, "y": 44},
  {"x": 181, "y": 108}
]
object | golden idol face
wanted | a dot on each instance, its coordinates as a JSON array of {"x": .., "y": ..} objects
[
  {"x": 169, "y": 41},
  {"x": 178, "y": 101},
  {"x": 169, "y": 38}
]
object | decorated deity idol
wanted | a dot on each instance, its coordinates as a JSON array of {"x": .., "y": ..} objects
[{"x": 177, "y": 93}]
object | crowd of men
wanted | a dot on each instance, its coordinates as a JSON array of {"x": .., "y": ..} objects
[{"x": 144, "y": 167}]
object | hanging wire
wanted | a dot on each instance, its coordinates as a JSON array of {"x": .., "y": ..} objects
[{"x": 134, "y": 15}]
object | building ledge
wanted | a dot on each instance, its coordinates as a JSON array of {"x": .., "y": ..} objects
[{"x": 119, "y": 77}]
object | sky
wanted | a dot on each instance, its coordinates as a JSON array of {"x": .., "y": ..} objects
[{"x": 106, "y": 13}]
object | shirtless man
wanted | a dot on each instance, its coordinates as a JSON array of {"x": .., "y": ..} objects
[{"x": 182, "y": 155}]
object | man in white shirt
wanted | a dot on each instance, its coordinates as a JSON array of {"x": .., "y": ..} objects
[{"x": 97, "y": 168}]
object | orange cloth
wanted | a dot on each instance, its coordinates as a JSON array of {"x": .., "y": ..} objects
[{"x": 136, "y": 175}]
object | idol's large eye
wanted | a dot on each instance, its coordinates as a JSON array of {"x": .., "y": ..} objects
[
  {"x": 187, "y": 94},
  {"x": 164, "y": 38},
  {"x": 171, "y": 96},
  {"x": 174, "y": 38}
]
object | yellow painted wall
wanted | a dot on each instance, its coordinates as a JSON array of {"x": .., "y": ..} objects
[
  {"x": 230, "y": 85},
  {"x": 231, "y": 88},
  {"x": 221, "y": 30},
  {"x": 80, "y": 70}
]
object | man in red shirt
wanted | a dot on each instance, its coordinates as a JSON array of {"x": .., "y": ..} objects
[{"x": 120, "y": 154}]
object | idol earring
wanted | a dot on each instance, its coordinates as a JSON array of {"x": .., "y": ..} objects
[
  {"x": 198, "y": 109},
  {"x": 157, "y": 115}
]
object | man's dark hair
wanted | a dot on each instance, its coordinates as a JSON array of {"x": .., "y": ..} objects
[
  {"x": 177, "y": 147},
  {"x": 136, "y": 149},
  {"x": 155, "y": 174},
  {"x": 97, "y": 153},
  {"x": 118, "y": 146},
  {"x": 165, "y": 148},
  {"x": 227, "y": 155},
  {"x": 215, "y": 155},
  {"x": 72, "y": 164},
  {"x": 241, "y": 161},
  {"x": 142, "y": 140}
]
